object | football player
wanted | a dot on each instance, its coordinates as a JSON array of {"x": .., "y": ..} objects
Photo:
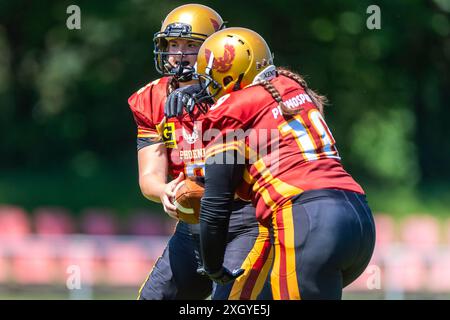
[
  {"x": 180, "y": 154},
  {"x": 275, "y": 148}
]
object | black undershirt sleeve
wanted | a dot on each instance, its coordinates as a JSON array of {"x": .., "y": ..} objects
[
  {"x": 221, "y": 180},
  {"x": 144, "y": 142}
]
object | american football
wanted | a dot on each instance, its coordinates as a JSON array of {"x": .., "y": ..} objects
[{"x": 187, "y": 200}]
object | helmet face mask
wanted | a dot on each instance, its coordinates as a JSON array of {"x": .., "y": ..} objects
[
  {"x": 191, "y": 22},
  {"x": 209, "y": 85},
  {"x": 161, "y": 40},
  {"x": 180, "y": 30},
  {"x": 205, "y": 96},
  {"x": 181, "y": 70}
]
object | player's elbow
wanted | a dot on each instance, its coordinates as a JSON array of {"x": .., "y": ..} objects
[
  {"x": 149, "y": 189},
  {"x": 150, "y": 197}
]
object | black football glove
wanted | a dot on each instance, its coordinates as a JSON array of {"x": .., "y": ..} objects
[
  {"x": 223, "y": 276},
  {"x": 181, "y": 99}
]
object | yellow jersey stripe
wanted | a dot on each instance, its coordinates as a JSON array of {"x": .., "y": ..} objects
[
  {"x": 289, "y": 243},
  {"x": 248, "y": 266},
  {"x": 275, "y": 274},
  {"x": 262, "y": 276}
]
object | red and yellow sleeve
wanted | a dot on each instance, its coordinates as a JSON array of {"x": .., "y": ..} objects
[{"x": 146, "y": 109}]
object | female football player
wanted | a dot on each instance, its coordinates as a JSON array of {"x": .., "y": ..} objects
[
  {"x": 271, "y": 144},
  {"x": 181, "y": 154}
]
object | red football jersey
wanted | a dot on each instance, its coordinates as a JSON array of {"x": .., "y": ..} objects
[
  {"x": 182, "y": 136},
  {"x": 284, "y": 155}
]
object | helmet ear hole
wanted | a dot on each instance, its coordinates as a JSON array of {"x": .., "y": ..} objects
[{"x": 227, "y": 80}]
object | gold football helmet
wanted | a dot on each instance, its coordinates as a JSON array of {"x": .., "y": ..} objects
[
  {"x": 231, "y": 59},
  {"x": 191, "y": 21}
]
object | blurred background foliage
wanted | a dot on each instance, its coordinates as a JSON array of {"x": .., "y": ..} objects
[{"x": 67, "y": 136}]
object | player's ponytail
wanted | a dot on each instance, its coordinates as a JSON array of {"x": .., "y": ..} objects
[
  {"x": 275, "y": 95},
  {"x": 318, "y": 100},
  {"x": 172, "y": 84}
]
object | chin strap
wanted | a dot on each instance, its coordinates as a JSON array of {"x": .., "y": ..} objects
[
  {"x": 237, "y": 85},
  {"x": 183, "y": 72}
]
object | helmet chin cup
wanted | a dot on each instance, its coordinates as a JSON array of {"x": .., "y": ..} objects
[{"x": 183, "y": 72}]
